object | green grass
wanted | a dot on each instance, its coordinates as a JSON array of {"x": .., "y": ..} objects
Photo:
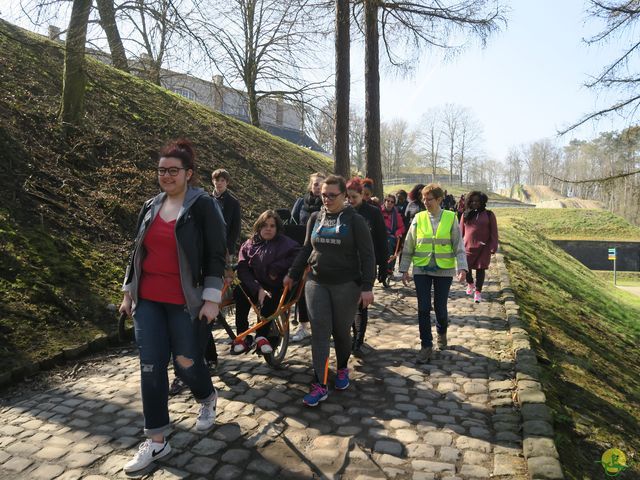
[
  {"x": 579, "y": 224},
  {"x": 627, "y": 279},
  {"x": 585, "y": 334},
  {"x": 68, "y": 208}
]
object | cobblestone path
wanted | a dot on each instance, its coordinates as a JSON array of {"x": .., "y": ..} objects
[{"x": 453, "y": 418}]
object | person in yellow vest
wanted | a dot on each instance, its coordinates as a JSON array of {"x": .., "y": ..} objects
[{"x": 434, "y": 245}]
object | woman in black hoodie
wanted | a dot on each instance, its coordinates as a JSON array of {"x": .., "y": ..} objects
[
  {"x": 375, "y": 222},
  {"x": 339, "y": 250}
]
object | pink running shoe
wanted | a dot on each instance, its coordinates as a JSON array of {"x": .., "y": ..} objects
[
  {"x": 477, "y": 297},
  {"x": 470, "y": 288}
]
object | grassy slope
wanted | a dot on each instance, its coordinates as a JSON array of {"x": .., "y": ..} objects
[
  {"x": 67, "y": 210},
  {"x": 579, "y": 224},
  {"x": 586, "y": 336}
]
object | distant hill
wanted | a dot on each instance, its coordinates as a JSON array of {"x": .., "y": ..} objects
[
  {"x": 68, "y": 209},
  {"x": 546, "y": 197}
]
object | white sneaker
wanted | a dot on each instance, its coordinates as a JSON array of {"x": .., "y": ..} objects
[
  {"x": 301, "y": 333},
  {"x": 207, "y": 414},
  {"x": 148, "y": 452}
]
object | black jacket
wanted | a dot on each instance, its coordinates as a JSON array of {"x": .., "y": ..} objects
[
  {"x": 375, "y": 222},
  {"x": 230, "y": 207}
]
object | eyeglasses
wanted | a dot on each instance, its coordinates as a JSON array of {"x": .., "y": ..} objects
[
  {"x": 172, "y": 171},
  {"x": 331, "y": 196},
  {"x": 427, "y": 199}
]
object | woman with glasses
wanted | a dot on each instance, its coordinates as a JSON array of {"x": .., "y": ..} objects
[
  {"x": 434, "y": 246},
  {"x": 339, "y": 250},
  {"x": 173, "y": 289},
  {"x": 372, "y": 215}
]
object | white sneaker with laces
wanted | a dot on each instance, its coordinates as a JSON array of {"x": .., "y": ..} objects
[
  {"x": 207, "y": 414},
  {"x": 301, "y": 333},
  {"x": 148, "y": 452}
]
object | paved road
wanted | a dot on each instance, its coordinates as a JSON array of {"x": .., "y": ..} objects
[
  {"x": 630, "y": 289},
  {"x": 451, "y": 419}
]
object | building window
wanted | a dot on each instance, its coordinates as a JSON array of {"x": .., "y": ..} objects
[{"x": 185, "y": 93}]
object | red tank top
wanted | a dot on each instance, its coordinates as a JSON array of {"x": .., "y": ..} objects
[{"x": 160, "y": 280}]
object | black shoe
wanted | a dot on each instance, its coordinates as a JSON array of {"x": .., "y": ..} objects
[
  {"x": 212, "y": 365},
  {"x": 177, "y": 386}
]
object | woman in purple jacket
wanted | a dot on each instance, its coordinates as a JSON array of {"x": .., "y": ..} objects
[
  {"x": 263, "y": 262},
  {"x": 480, "y": 231}
]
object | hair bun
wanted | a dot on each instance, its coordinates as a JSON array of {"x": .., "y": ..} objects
[{"x": 186, "y": 145}]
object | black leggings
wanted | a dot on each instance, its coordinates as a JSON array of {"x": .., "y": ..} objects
[
  {"x": 479, "y": 278},
  {"x": 243, "y": 307}
]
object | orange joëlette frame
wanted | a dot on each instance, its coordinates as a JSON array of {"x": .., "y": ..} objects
[{"x": 282, "y": 307}]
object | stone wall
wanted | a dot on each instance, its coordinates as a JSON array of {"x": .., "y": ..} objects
[{"x": 593, "y": 254}]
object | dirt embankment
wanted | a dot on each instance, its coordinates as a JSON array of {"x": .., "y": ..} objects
[{"x": 546, "y": 197}]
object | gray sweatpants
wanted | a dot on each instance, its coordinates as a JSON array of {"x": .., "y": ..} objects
[{"x": 332, "y": 309}]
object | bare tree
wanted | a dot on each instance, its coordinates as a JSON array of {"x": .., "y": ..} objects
[
  {"x": 469, "y": 139},
  {"x": 372, "y": 96},
  {"x": 265, "y": 45},
  {"x": 153, "y": 24},
  {"x": 620, "y": 17},
  {"x": 514, "y": 168},
  {"x": 430, "y": 138},
  {"x": 397, "y": 143},
  {"x": 356, "y": 141},
  {"x": 452, "y": 124},
  {"x": 409, "y": 27},
  {"x": 320, "y": 124},
  {"x": 74, "y": 77},
  {"x": 108, "y": 23},
  {"x": 342, "y": 88}
]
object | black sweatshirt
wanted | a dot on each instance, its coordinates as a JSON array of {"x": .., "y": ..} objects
[
  {"x": 338, "y": 248},
  {"x": 375, "y": 221}
]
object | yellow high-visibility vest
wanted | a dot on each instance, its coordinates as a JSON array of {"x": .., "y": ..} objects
[{"x": 438, "y": 245}]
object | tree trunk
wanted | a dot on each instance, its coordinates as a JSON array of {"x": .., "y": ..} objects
[
  {"x": 451, "y": 162},
  {"x": 252, "y": 104},
  {"x": 343, "y": 79},
  {"x": 110, "y": 27},
  {"x": 74, "y": 76},
  {"x": 372, "y": 96}
]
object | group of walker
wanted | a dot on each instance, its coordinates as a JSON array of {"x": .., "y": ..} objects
[{"x": 180, "y": 261}]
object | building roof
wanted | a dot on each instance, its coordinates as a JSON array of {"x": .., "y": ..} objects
[{"x": 294, "y": 136}]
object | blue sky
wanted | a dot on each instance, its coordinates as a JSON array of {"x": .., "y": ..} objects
[
  {"x": 526, "y": 83},
  {"x": 523, "y": 86}
]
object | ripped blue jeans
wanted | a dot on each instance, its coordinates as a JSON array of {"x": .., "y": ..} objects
[{"x": 164, "y": 330}]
